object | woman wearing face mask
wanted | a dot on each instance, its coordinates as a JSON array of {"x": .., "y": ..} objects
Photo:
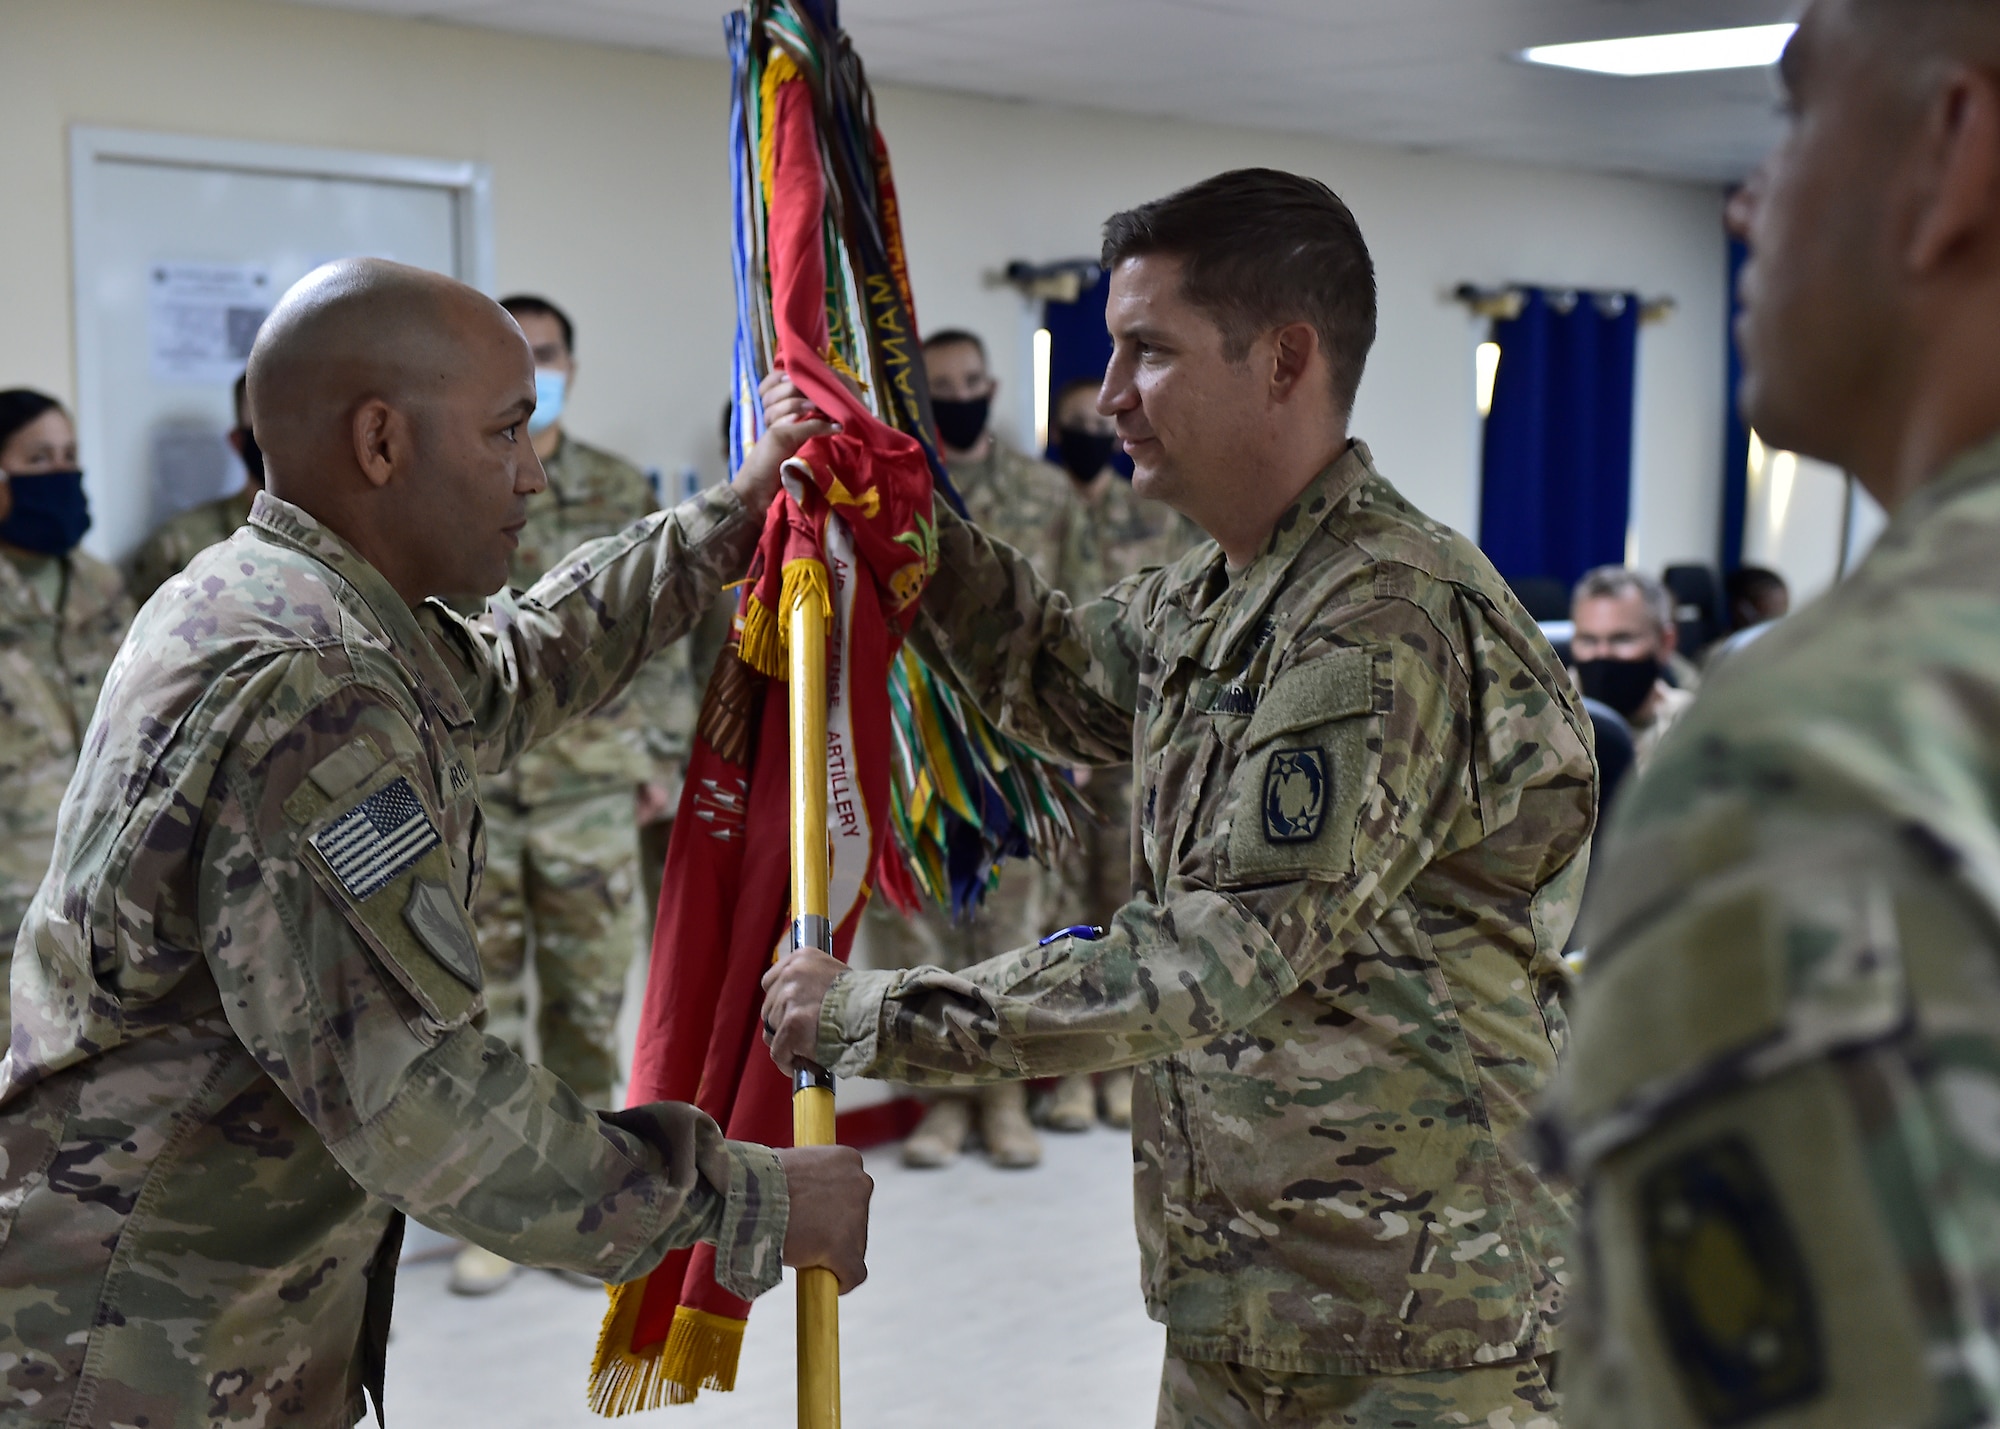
[{"x": 62, "y": 616}]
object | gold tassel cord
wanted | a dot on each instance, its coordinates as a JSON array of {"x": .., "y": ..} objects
[{"x": 766, "y": 644}]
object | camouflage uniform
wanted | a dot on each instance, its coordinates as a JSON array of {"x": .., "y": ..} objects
[
  {"x": 61, "y": 619},
  {"x": 248, "y": 1011},
  {"x": 1101, "y": 540},
  {"x": 1233, "y": 1396},
  {"x": 1366, "y": 796},
  {"x": 181, "y": 538},
  {"x": 1784, "y": 1100},
  {"x": 562, "y": 849}
]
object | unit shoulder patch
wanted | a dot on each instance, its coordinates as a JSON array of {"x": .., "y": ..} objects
[
  {"x": 1729, "y": 1285},
  {"x": 378, "y": 840},
  {"x": 1295, "y": 795}
]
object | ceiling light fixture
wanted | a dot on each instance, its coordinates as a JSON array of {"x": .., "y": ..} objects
[{"x": 1751, "y": 47}]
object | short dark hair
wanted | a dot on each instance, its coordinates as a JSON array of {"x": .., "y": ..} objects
[
  {"x": 1261, "y": 248},
  {"x": 955, "y": 337},
  {"x": 1747, "y": 583},
  {"x": 20, "y": 406},
  {"x": 1071, "y": 388},
  {"x": 527, "y": 304}
]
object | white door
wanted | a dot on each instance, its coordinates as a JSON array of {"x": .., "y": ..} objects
[{"x": 182, "y": 246}]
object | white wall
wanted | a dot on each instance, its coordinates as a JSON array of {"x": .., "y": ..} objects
[{"x": 610, "y": 195}]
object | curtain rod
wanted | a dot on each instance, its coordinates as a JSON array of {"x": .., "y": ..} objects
[
  {"x": 1060, "y": 282},
  {"x": 1505, "y": 304}
]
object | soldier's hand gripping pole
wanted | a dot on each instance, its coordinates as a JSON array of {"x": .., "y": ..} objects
[{"x": 812, "y": 1097}]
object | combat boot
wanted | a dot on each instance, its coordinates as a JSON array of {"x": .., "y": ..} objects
[
  {"x": 1004, "y": 1126},
  {"x": 478, "y": 1271},
  {"x": 1072, "y": 1106},
  {"x": 940, "y": 1136},
  {"x": 1116, "y": 1089}
]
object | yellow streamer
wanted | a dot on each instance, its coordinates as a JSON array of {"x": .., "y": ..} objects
[{"x": 777, "y": 70}]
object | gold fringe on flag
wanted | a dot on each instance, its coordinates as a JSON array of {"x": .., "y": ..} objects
[
  {"x": 700, "y": 1352},
  {"x": 766, "y": 647}
]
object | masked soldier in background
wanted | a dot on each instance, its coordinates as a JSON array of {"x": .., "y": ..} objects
[
  {"x": 562, "y": 850},
  {"x": 63, "y": 613},
  {"x": 180, "y": 538},
  {"x": 1624, "y": 638},
  {"x": 1020, "y": 499},
  {"x": 1104, "y": 533}
]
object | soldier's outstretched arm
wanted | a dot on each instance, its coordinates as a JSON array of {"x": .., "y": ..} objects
[
  {"x": 534, "y": 662},
  {"x": 347, "y": 964},
  {"x": 1277, "y": 880},
  {"x": 1063, "y": 679}
]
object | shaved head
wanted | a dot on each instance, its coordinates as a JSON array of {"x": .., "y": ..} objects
[
  {"x": 1920, "y": 39},
  {"x": 1871, "y": 301},
  {"x": 391, "y": 405}
]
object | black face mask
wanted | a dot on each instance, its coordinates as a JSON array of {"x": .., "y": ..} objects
[
  {"x": 1084, "y": 453},
  {"x": 252, "y": 454},
  {"x": 1625, "y": 685},
  {"x": 961, "y": 424},
  {"x": 50, "y": 513}
]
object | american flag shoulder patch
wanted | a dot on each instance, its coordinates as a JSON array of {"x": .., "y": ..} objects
[{"x": 377, "y": 840}]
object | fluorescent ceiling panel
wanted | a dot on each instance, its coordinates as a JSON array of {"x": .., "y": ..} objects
[{"x": 1750, "y": 47}]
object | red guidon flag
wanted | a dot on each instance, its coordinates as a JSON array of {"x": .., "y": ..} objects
[{"x": 852, "y": 531}]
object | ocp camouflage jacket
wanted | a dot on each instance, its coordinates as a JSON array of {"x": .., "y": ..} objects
[
  {"x": 52, "y": 664},
  {"x": 247, "y": 1006},
  {"x": 1784, "y": 1103},
  {"x": 1366, "y": 797}
]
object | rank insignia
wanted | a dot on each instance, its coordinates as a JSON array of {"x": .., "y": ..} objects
[
  {"x": 1295, "y": 790},
  {"x": 1730, "y": 1286},
  {"x": 377, "y": 840}
]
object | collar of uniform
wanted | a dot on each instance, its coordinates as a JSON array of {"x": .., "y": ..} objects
[
  {"x": 1231, "y": 609},
  {"x": 1977, "y": 467},
  {"x": 394, "y": 620}
]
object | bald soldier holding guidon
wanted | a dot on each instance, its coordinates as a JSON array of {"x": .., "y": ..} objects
[
  {"x": 1365, "y": 798},
  {"x": 247, "y": 1004}
]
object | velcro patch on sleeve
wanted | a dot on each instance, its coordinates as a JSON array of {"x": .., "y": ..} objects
[
  {"x": 1304, "y": 771},
  {"x": 346, "y": 767},
  {"x": 1730, "y": 1286},
  {"x": 378, "y": 840}
]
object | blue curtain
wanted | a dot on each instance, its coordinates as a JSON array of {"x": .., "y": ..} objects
[
  {"x": 1736, "y": 436},
  {"x": 1079, "y": 346},
  {"x": 1557, "y": 470}
]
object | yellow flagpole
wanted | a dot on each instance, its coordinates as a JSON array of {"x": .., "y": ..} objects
[{"x": 812, "y": 1098}]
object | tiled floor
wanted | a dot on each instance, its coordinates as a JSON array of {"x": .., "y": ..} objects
[{"x": 995, "y": 1300}]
